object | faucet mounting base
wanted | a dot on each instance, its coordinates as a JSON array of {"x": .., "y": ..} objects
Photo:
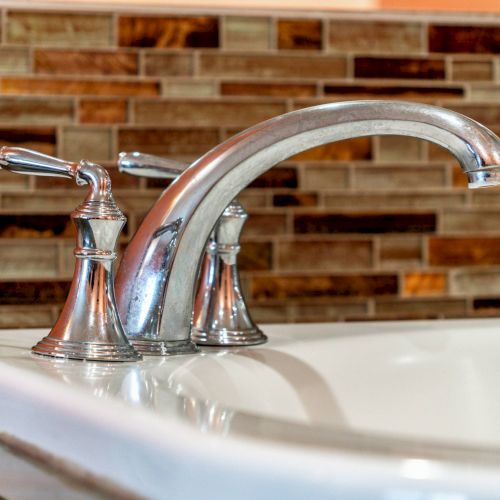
[
  {"x": 228, "y": 337},
  {"x": 163, "y": 347}
]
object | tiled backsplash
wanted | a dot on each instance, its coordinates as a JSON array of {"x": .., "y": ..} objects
[{"x": 370, "y": 228}]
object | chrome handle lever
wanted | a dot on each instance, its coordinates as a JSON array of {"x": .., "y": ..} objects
[
  {"x": 220, "y": 313},
  {"x": 88, "y": 327}
]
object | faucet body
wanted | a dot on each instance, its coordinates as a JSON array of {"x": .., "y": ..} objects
[{"x": 156, "y": 279}]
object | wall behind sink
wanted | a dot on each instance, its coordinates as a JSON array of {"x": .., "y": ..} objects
[{"x": 362, "y": 229}]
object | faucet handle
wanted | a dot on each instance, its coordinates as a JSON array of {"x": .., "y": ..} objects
[
  {"x": 88, "y": 327},
  {"x": 143, "y": 165}
]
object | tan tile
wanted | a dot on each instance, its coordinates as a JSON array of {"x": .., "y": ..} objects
[
  {"x": 32, "y": 316},
  {"x": 420, "y": 308},
  {"x": 272, "y": 66},
  {"x": 253, "y": 198},
  {"x": 375, "y": 36},
  {"x": 247, "y": 33},
  {"x": 318, "y": 176},
  {"x": 60, "y": 29},
  {"x": 36, "y": 111},
  {"x": 17, "y": 260},
  {"x": 51, "y": 201},
  {"x": 262, "y": 313},
  {"x": 205, "y": 113},
  {"x": 300, "y": 34},
  {"x": 161, "y": 64},
  {"x": 484, "y": 93},
  {"x": 475, "y": 282},
  {"x": 102, "y": 111},
  {"x": 325, "y": 255},
  {"x": 190, "y": 88},
  {"x": 424, "y": 284},
  {"x": 400, "y": 252},
  {"x": 323, "y": 311},
  {"x": 472, "y": 70},
  {"x": 10, "y": 181},
  {"x": 86, "y": 143},
  {"x": 471, "y": 221},
  {"x": 14, "y": 60},
  {"x": 485, "y": 197},
  {"x": 395, "y": 149}
]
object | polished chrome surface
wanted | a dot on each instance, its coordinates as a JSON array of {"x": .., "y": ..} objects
[
  {"x": 220, "y": 313},
  {"x": 89, "y": 327},
  {"x": 156, "y": 279}
]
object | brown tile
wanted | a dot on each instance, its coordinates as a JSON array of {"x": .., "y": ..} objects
[
  {"x": 159, "y": 64},
  {"x": 321, "y": 176},
  {"x": 102, "y": 111},
  {"x": 466, "y": 251},
  {"x": 32, "y": 316},
  {"x": 365, "y": 223},
  {"x": 394, "y": 199},
  {"x": 265, "y": 224},
  {"x": 205, "y": 113},
  {"x": 255, "y": 256},
  {"x": 295, "y": 200},
  {"x": 325, "y": 255},
  {"x": 60, "y": 29},
  {"x": 168, "y": 142},
  {"x": 268, "y": 89},
  {"x": 42, "y": 139},
  {"x": 61, "y": 202},
  {"x": 460, "y": 39},
  {"x": 35, "y": 226},
  {"x": 299, "y": 34},
  {"x": 352, "y": 149},
  {"x": 437, "y": 153},
  {"x": 397, "y": 252},
  {"x": 85, "y": 62},
  {"x": 17, "y": 259},
  {"x": 33, "y": 292},
  {"x": 329, "y": 310},
  {"x": 399, "y": 149},
  {"x": 14, "y": 60},
  {"x": 472, "y": 70},
  {"x": 408, "y": 177},
  {"x": 424, "y": 284},
  {"x": 247, "y": 33},
  {"x": 394, "y": 67},
  {"x": 86, "y": 143},
  {"x": 487, "y": 114},
  {"x": 172, "y": 32},
  {"x": 420, "y": 308},
  {"x": 43, "y": 86},
  {"x": 471, "y": 221},
  {"x": 11, "y": 182},
  {"x": 375, "y": 36},
  {"x": 478, "y": 281},
  {"x": 272, "y": 66},
  {"x": 36, "y": 111},
  {"x": 357, "y": 285},
  {"x": 277, "y": 177},
  {"x": 269, "y": 313},
  {"x": 393, "y": 91}
]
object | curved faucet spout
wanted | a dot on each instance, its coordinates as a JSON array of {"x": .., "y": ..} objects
[{"x": 158, "y": 273}]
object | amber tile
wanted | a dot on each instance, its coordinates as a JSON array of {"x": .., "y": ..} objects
[
  {"x": 295, "y": 199},
  {"x": 424, "y": 284},
  {"x": 268, "y": 89},
  {"x": 60, "y": 29},
  {"x": 352, "y": 149},
  {"x": 102, "y": 111},
  {"x": 475, "y": 281},
  {"x": 325, "y": 255},
  {"x": 472, "y": 221},
  {"x": 299, "y": 34},
  {"x": 86, "y": 143},
  {"x": 277, "y": 177},
  {"x": 458, "y": 178},
  {"x": 17, "y": 259},
  {"x": 85, "y": 62},
  {"x": 208, "y": 113},
  {"x": 31, "y": 316},
  {"x": 466, "y": 251},
  {"x": 172, "y": 32},
  {"x": 247, "y": 33},
  {"x": 324, "y": 176},
  {"x": 168, "y": 142},
  {"x": 398, "y": 149},
  {"x": 393, "y": 91},
  {"x": 468, "y": 38},
  {"x": 44, "y": 86},
  {"x": 33, "y": 292},
  {"x": 365, "y": 223},
  {"x": 159, "y": 64},
  {"x": 35, "y": 111},
  {"x": 272, "y": 66},
  {"x": 420, "y": 308},
  {"x": 472, "y": 70},
  {"x": 41, "y": 139},
  {"x": 265, "y": 224},
  {"x": 375, "y": 36},
  {"x": 255, "y": 256},
  {"x": 397, "y": 67},
  {"x": 399, "y": 252},
  {"x": 14, "y": 60},
  {"x": 356, "y": 285},
  {"x": 35, "y": 226}
]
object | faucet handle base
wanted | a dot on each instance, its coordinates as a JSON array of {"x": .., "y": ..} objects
[
  {"x": 224, "y": 337},
  {"x": 163, "y": 347},
  {"x": 89, "y": 351}
]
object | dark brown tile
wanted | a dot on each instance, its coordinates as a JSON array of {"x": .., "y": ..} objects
[
  {"x": 102, "y": 111},
  {"x": 168, "y": 64},
  {"x": 166, "y": 141},
  {"x": 299, "y": 34},
  {"x": 461, "y": 39},
  {"x": 272, "y": 66},
  {"x": 487, "y": 305},
  {"x": 43, "y": 86},
  {"x": 277, "y": 177},
  {"x": 35, "y": 226},
  {"x": 172, "y": 32},
  {"x": 255, "y": 256},
  {"x": 41, "y": 139},
  {"x": 466, "y": 251},
  {"x": 265, "y": 224},
  {"x": 73, "y": 62},
  {"x": 295, "y": 200},
  {"x": 357, "y": 285},
  {"x": 36, "y": 111},
  {"x": 365, "y": 223},
  {"x": 397, "y": 67},
  {"x": 33, "y": 292},
  {"x": 268, "y": 89},
  {"x": 394, "y": 91},
  {"x": 352, "y": 149}
]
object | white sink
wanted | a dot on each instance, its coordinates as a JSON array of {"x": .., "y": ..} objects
[{"x": 391, "y": 410}]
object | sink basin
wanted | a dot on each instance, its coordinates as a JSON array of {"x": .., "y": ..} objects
[{"x": 389, "y": 410}]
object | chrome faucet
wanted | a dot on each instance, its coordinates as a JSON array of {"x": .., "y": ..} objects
[{"x": 157, "y": 276}]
